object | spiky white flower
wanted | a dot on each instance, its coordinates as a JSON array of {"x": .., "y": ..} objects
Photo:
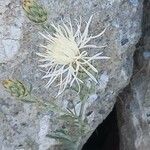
[{"x": 64, "y": 54}]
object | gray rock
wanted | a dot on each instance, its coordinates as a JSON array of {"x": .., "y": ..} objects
[
  {"x": 25, "y": 126},
  {"x": 134, "y": 102},
  {"x": 134, "y": 110}
]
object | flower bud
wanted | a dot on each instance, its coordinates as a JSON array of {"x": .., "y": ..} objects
[
  {"x": 34, "y": 11},
  {"x": 16, "y": 88}
]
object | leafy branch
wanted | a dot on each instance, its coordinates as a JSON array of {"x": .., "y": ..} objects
[{"x": 69, "y": 116}]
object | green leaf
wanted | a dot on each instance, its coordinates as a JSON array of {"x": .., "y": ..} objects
[
  {"x": 67, "y": 141},
  {"x": 27, "y": 101},
  {"x": 59, "y": 136},
  {"x": 67, "y": 118}
]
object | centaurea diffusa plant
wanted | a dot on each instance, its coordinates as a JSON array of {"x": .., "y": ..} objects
[
  {"x": 66, "y": 54},
  {"x": 66, "y": 58}
]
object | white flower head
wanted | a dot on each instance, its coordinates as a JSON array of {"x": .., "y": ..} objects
[{"x": 65, "y": 54}]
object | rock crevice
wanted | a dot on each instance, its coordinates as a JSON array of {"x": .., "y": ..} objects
[{"x": 133, "y": 104}]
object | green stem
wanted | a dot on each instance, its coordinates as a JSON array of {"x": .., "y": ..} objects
[
  {"x": 44, "y": 26},
  {"x": 41, "y": 102},
  {"x": 81, "y": 109},
  {"x": 74, "y": 109}
]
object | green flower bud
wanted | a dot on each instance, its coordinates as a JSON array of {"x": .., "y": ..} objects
[
  {"x": 16, "y": 88},
  {"x": 34, "y": 11}
]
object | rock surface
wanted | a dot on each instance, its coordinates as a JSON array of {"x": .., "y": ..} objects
[
  {"x": 11, "y": 21},
  {"x": 25, "y": 126},
  {"x": 134, "y": 101}
]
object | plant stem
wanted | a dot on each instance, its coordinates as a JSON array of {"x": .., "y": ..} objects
[
  {"x": 75, "y": 112},
  {"x": 81, "y": 109}
]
